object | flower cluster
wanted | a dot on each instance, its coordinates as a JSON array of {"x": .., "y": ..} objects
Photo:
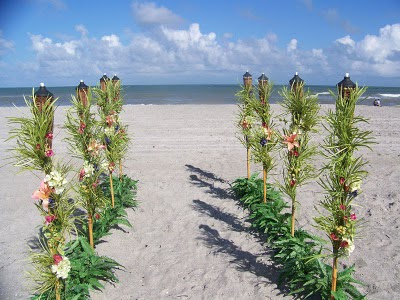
[
  {"x": 56, "y": 181},
  {"x": 94, "y": 148},
  {"x": 61, "y": 266},
  {"x": 87, "y": 170}
]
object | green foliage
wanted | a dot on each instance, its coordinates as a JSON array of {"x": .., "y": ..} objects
[
  {"x": 30, "y": 133},
  {"x": 343, "y": 172},
  {"x": 246, "y": 115},
  {"x": 300, "y": 257}
]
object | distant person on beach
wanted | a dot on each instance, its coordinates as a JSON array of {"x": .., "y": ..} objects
[{"x": 377, "y": 102}]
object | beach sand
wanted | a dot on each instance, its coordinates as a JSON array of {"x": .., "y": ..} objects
[{"x": 190, "y": 238}]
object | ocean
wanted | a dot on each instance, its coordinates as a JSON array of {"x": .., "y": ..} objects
[{"x": 195, "y": 94}]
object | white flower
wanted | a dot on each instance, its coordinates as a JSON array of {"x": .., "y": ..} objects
[
  {"x": 88, "y": 168},
  {"x": 56, "y": 181},
  {"x": 62, "y": 268},
  {"x": 350, "y": 247},
  {"x": 109, "y": 131},
  {"x": 355, "y": 186}
]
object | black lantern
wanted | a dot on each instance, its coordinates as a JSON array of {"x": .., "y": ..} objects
[
  {"x": 103, "y": 82},
  {"x": 296, "y": 83},
  {"x": 115, "y": 79},
  {"x": 82, "y": 91},
  {"x": 247, "y": 79},
  {"x": 345, "y": 86},
  {"x": 262, "y": 86},
  {"x": 42, "y": 95}
]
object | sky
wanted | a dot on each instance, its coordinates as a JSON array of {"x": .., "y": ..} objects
[{"x": 60, "y": 42}]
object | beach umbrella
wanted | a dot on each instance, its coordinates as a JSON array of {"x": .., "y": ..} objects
[
  {"x": 346, "y": 85},
  {"x": 82, "y": 91},
  {"x": 262, "y": 85},
  {"x": 247, "y": 79},
  {"x": 103, "y": 81},
  {"x": 296, "y": 83}
]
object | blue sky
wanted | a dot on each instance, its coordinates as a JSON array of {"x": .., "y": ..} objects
[{"x": 60, "y": 42}]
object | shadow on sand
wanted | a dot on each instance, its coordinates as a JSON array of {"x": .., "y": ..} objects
[{"x": 244, "y": 261}]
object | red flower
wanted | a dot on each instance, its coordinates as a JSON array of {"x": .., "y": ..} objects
[
  {"x": 81, "y": 174},
  {"x": 346, "y": 188},
  {"x": 97, "y": 216},
  {"x": 57, "y": 258},
  {"x": 292, "y": 182},
  {"x": 49, "y": 219},
  {"x": 82, "y": 128},
  {"x": 342, "y": 207},
  {"x": 49, "y": 153},
  {"x": 353, "y": 217},
  {"x": 245, "y": 125},
  {"x": 294, "y": 153},
  {"x": 341, "y": 180},
  {"x": 344, "y": 244},
  {"x": 49, "y": 135},
  {"x": 334, "y": 237},
  {"x": 38, "y": 147},
  {"x": 94, "y": 184}
]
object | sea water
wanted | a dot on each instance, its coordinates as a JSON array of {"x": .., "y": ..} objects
[{"x": 195, "y": 94}]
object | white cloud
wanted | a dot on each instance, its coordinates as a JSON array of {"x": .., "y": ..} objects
[
  {"x": 112, "y": 40},
  {"x": 228, "y": 35},
  {"x": 378, "y": 54},
  {"x": 151, "y": 14},
  {"x": 81, "y": 29},
  {"x": 292, "y": 46},
  {"x": 5, "y": 45}
]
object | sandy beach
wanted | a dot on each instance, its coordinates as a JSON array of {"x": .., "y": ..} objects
[{"x": 190, "y": 238}]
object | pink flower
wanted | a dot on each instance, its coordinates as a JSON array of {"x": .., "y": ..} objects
[
  {"x": 109, "y": 121},
  {"x": 344, "y": 244},
  {"x": 291, "y": 141},
  {"x": 334, "y": 237},
  {"x": 43, "y": 194},
  {"x": 292, "y": 182},
  {"x": 49, "y": 219},
  {"x": 353, "y": 217},
  {"x": 342, "y": 207},
  {"x": 49, "y": 153},
  {"x": 38, "y": 147},
  {"x": 57, "y": 259},
  {"x": 95, "y": 184},
  {"x": 49, "y": 135},
  {"x": 341, "y": 180},
  {"x": 97, "y": 216},
  {"x": 81, "y": 174},
  {"x": 294, "y": 153},
  {"x": 82, "y": 128}
]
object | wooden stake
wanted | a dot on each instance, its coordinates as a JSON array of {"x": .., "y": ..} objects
[
  {"x": 265, "y": 185},
  {"x": 293, "y": 217},
  {"x": 120, "y": 170},
  {"x": 334, "y": 274},
  {"x": 58, "y": 296},
  {"x": 112, "y": 190},
  {"x": 248, "y": 163},
  {"x": 90, "y": 225}
]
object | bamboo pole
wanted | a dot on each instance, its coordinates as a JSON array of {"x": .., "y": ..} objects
[
  {"x": 248, "y": 162},
  {"x": 334, "y": 275},
  {"x": 112, "y": 190},
  {"x": 265, "y": 185},
  {"x": 293, "y": 216},
  {"x": 58, "y": 295},
  {"x": 90, "y": 225}
]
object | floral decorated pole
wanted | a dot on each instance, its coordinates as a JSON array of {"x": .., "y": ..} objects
[
  {"x": 302, "y": 109},
  {"x": 84, "y": 141},
  {"x": 114, "y": 133},
  {"x": 103, "y": 82},
  {"x": 263, "y": 138},
  {"x": 33, "y": 135},
  {"x": 245, "y": 116},
  {"x": 343, "y": 172},
  {"x": 117, "y": 86}
]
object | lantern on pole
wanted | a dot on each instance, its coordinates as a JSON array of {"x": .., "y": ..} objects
[
  {"x": 262, "y": 87},
  {"x": 42, "y": 95},
  {"x": 103, "y": 82},
  {"x": 82, "y": 91},
  {"x": 247, "y": 80},
  {"x": 345, "y": 86},
  {"x": 296, "y": 84},
  {"x": 115, "y": 79}
]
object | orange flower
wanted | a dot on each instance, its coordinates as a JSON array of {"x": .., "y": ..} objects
[{"x": 291, "y": 141}]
